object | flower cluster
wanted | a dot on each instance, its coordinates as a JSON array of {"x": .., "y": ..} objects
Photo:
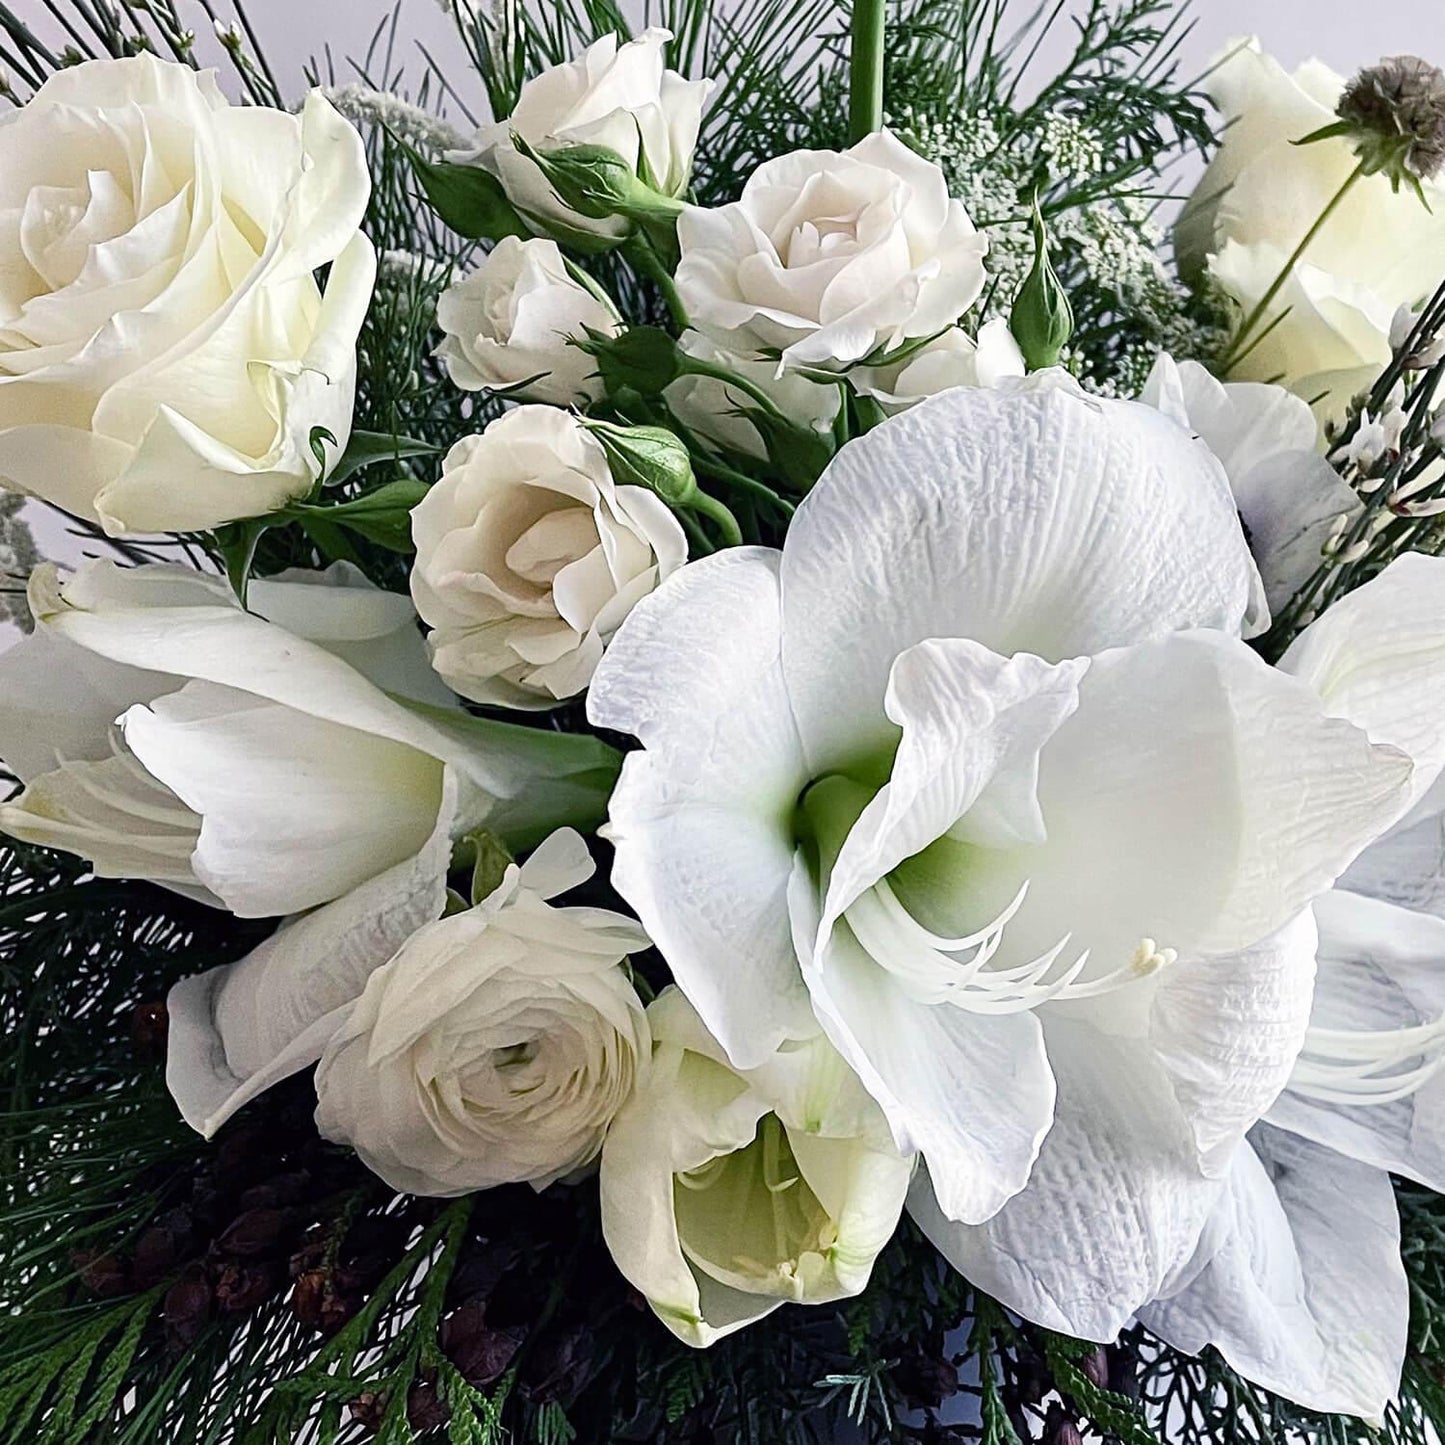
[{"x": 978, "y": 861}]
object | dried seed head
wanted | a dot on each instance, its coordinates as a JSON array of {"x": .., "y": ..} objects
[{"x": 1396, "y": 116}]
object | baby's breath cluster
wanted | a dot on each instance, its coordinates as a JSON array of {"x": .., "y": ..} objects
[{"x": 17, "y": 557}]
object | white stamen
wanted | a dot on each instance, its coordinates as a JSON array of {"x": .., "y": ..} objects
[{"x": 1358, "y": 1066}]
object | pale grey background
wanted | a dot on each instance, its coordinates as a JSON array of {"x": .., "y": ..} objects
[{"x": 1343, "y": 33}]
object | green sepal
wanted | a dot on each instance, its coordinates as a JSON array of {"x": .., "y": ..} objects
[
  {"x": 643, "y": 359},
  {"x": 366, "y": 448},
  {"x": 382, "y": 516}
]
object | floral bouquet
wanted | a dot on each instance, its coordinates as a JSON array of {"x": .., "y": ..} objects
[{"x": 722, "y": 766}]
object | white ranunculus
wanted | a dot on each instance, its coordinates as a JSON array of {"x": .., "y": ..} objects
[
  {"x": 993, "y": 791},
  {"x": 726, "y": 1192},
  {"x": 164, "y": 733},
  {"x": 165, "y": 351},
  {"x": 621, "y": 96},
  {"x": 1259, "y": 197},
  {"x": 720, "y": 413},
  {"x": 508, "y": 324},
  {"x": 528, "y": 557},
  {"x": 828, "y": 257},
  {"x": 953, "y": 359},
  {"x": 1299, "y": 1281},
  {"x": 498, "y": 1043},
  {"x": 1289, "y": 497}
]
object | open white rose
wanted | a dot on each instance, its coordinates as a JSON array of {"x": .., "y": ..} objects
[
  {"x": 1289, "y": 497},
  {"x": 508, "y": 323},
  {"x": 727, "y": 1193},
  {"x": 1259, "y": 197},
  {"x": 994, "y": 793},
  {"x": 621, "y": 96},
  {"x": 498, "y": 1043},
  {"x": 165, "y": 351},
  {"x": 164, "y": 733},
  {"x": 528, "y": 557},
  {"x": 953, "y": 359},
  {"x": 827, "y": 257}
]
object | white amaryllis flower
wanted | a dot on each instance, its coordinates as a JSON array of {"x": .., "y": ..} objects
[
  {"x": 953, "y": 359},
  {"x": 508, "y": 324},
  {"x": 1298, "y": 1281},
  {"x": 164, "y": 733},
  {"x": 1329, "y": 326},
  {"x": 1290, "y": 498},
  {"x": 165, "y": 351},
  {"x": 529, "y": 555},
  {"x": 727, "y": 1192},
  {"x": 992, "y": 790},
  {"x": 498, "y": 1043},
  {"x": 828, "y": 257},
  {"x": 621, "y": 96}
]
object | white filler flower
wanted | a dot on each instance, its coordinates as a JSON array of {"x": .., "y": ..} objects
[
  {"x": 497, "y": 1044},
  {"x": 990, "y": 788},
  {"x": 622, "y": 97},
  {"x": 508, "y": 324},
  {"x": 828, "y": 257},
  {"x": 165, "y": 351},
  {"x": 727, "y": 1193},
  {"x": 164, "y": 733},
  {"x": 528, "y": 557}
]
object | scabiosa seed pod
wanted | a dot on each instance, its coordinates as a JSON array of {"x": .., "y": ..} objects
[{"x": 1395, "y": 114}]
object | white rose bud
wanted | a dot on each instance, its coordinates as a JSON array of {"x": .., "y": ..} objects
[
  {"x": 827, "y": 258},
  {"x": 1261, "y": 194},
  {"x": 953, "y": 359},
  {"x": 508, "y": 324},
  {"x": 165, "y": 351},
  {"x": 619, "y": 96},
  {"x": 498, "y": 1043},
  {"x": 529, "y": 556},
  {"x": 727, "y": 1193}
]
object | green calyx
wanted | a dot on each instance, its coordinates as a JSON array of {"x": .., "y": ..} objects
[{"x": 597, "y": 182}]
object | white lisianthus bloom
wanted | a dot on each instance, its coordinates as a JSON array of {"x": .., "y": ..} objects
[
  {"x": 165, "y": 351},
  {"x": 508, "y": 324},
  {"x": 953, "y": 359},
  {"x": 828, "y": 257},
  {"x": 1299, "y": 1281},
  {"x": 722, "y": 413},
  {"x": 164, "y": 733},
  {"x": 726, "y": 1192},
  {"x": 621, "y": 96},
  {"x": 1258, "y": 199},
  {"x": 1289, "y": 497},
  {"x": 498, "y": 1043},
  {"x": 528, "y": 557},
  {"x": 993, "y": 791}
]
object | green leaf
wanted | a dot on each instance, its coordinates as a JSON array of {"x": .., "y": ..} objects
[
  {"x": 382, "y": 516},
  {"x": 369, "y": 447}
]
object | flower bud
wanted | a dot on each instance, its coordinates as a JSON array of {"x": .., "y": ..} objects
[
  {"x": 597, "y": 182},
  {"x": 648, "y": 456},
  {"x": 643, "y": 358},
  {"x": 1042, "y": 319}
]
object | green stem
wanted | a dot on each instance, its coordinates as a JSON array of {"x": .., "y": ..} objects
[
  {"x": 727, "y": 524},
  {"x": 640, "y": 252},
  {"x": 1275, "y": 286},
  {"x": 719, "y": 471},
  {"x": 865, "y": 75}
]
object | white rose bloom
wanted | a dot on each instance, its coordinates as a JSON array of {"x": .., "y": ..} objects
[
  {"x": 508, "y": 323},
  {"x": 1259, "y": 197},
  {"x": 165, "y": 351},
  {"x": 498, "y": 1043},
  {"x": 994, "y": 793},
  {"x": 727, "y": 1193},
  {"x": 953, "y": 359},
  {"x": 719, "y": 412},
  {"x": 164, "y": 733},
  {"x": 827, "y": 257},
  {"x": 1289, "y": 497},
  {"x": 528, "y": 557},
  {"x": 619, "y": 96}
]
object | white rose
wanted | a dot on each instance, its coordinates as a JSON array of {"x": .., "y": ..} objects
[
  {"x": 720, "y": 412},
  {"x": 528, "y": 557},
  {"x": 497, "y": 1045},
  {"x": 164, "y": 733},
  {"x": 727, "y": 1193},
  {"x": 1259, "y": 197},
  {"x": 828, "y": 257},
  {"x": 953, "y": 359},
  {"x": 619, "y": 96},
  {"x": 165, "y": 351},
  {"x": 508, "y": 323}
]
